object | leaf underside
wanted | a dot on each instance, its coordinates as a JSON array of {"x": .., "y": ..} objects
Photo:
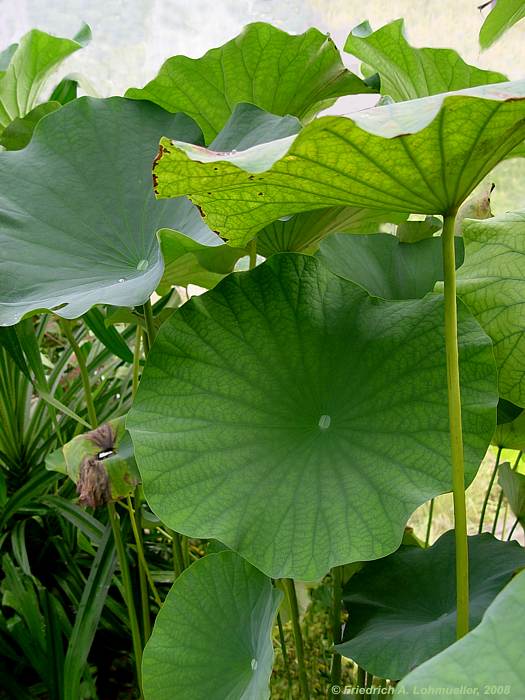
[
  {"x": 424, "y": 156},
  {"x": 300, "y": 421}
]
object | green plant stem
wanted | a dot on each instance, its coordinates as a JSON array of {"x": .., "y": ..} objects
[
  {"x": 136, "y": 361},
  {"x": 128, "y": 592},
  {"x": 284, "y": 652},
  {"x": 429, "y": 523},
  {"x": 505, "y": 515},
  {"x": 150, "y": 323},
  {"x": 179, "y": 560},
  {"x": 84, "y": 374},
  {"x": 512, "y": 529},
  {"x": 337, "y": 594},
  {"x": 140, "y": 552},
  {"x": 488, "y": 492},
  {"x": 496, "y": 514},
  {"x": 360, "y": 677},
  {"x": 291, "y": 596},
  {"x": 456, "y": 434}
]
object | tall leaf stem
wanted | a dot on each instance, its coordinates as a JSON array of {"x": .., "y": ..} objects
[
  {"x": 360, "y": 680},
  {"x": 128, "y": 592},
  {"x": 150, "y": 324},
  {"x": 488, "y": 492},
  {"x": 509, "y": 537},
  {"x": 84, "y": 374},
  {"x": 179, "y": 560},
  {"x": 337, "y": 594},
  {"x": 291, "y": 596},
  {"x": 136, "y": 361},
  {"x": 456, "y": 433},
  {"x": 140, "y": 552},
  {"x": 284, "y": 652},
  {"x": 429, "y": 523}
]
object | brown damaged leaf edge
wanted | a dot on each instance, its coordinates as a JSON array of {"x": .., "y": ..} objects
[
  {"x": 156, "y": 160},
  {"x": 203, "y": 215}
]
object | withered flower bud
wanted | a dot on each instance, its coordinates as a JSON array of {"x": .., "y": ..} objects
[
  {"x": 104, "y": 439},
  {"x": 93, "y": 483}
]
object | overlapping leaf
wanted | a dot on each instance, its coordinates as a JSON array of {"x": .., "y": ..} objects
[
  {"x": 300, "y": 421},
  {"x": 511, "y": 434},
  {"x": 77, "y": 213},
  {"x": 492, "y": 283},
  {"x": 422, "y": 156},
  {"x": 27, "y": 66},
  {"x": 491, "y": 656},
  {"x": 303, "y": 232},
  {"x": 278, "y": 72},
  {"x": 187, "y": 261},
  {"x": 402, "y": 609},
  {"x": 386, "y": 267},
  {"x": 220, "y": 610},
  {"x": 513, "y": 484},
  {"x": 407, "y": 73},
  {"x": 504, "y": 15}
]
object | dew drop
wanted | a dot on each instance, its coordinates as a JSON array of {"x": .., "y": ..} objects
[
  {"x": 122, "y": 279},
  {"x": 254, "y": 664},
  {"x": 142, "y": 265},
  {"x": 324, "y": 422}
]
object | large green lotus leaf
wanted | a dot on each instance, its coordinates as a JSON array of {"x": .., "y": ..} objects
[
  {"x": 278, "y": 72},
  {"x": 402, "y": 609},
  {"x": 300, "y": 421},
  {"x": 76, "y": 228},
  {"x": 422, "y": 156},
  {"x": 503, "y": 15},
  {"x": 491, "y": 656},
  {"x": 303, "y": 232},
  {"x": 491, "y": 282},
  {"x": 406, "y": 72},
  {"x": 513, "y": 485},
  {"x": 30, "y": 64},
  {"x": 386, "y": 267},
  {"x": 220, "y": 610}
]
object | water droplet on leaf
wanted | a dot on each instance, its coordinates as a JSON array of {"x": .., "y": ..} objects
[{"x": 324, "y": 422}]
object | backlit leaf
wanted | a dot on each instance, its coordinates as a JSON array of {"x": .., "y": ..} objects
[
  {"x": 423, "y": 156},
  {"x": 406, "y": 72},
  {"x": 278, "y": 72},
  {"x": 503, "y": 16},
  {"x": 300, "y": 421},
  {"x": 491, "y": 282}
]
